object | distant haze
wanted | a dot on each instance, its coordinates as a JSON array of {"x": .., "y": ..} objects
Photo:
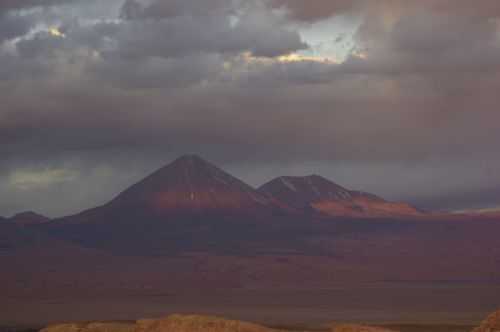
[{"x": 397, "y": 98}]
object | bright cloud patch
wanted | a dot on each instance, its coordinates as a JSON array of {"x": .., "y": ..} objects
[
  {"x": 28, "y": 179},
  {"x": 55, "y": 32},
  {"x": 295, "y": 57}
]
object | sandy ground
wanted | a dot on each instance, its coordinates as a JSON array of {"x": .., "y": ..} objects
[{"x": 453, "y": 307}]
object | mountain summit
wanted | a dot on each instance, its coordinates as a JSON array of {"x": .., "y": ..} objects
[
  {"x": 324, "y": 196},
  {"x": 191, "y": 184},
  {"x": 301, "y": 191}
]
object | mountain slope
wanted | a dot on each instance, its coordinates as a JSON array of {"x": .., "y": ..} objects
[
  {"x": 187, "y": 205},
  {"x": 301, "y": 192},
  {"x": 324, "y": 196},
  {"x": 188, "y": 187},
  {"x": 191, "y": 184},
  {"x": 28, "y": 218}
]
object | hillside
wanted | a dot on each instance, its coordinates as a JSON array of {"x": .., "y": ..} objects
[
  {"x": 28, "y": 218},
  {"x": 318, "y": 194}
]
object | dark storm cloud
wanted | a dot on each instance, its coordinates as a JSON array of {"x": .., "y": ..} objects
[
  {"x": 413, "y": 106},
  {"x": 319, "y": 9},
  {"x": 322, "y": 9},
  {"x": 184, "y": 36},
  {"x": 12, "y": 5},
  {"x": 484, "y": 8},
  {"x": 12, "y": 26},
  {"x": 177, "y": 28},
  {"x": 134, "y": 9}
]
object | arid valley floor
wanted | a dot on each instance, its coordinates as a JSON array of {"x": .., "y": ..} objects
[{"x": 303, "y": 251}]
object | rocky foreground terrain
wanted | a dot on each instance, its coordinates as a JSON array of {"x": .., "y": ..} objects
[
  {"x": 181, "y": 323},
  {"x": 194, "y": 323},
  {"x": 358, "y": 328},
  {"x": 172, "y": 323},
  {"x": 490, "y": 324}
]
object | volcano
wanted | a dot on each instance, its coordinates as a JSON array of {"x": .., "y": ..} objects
[
  {"x": 192, "y": 205},
  {"x": 318, "y": 194},
  {"x": 189, "y": 186},
  {"x": 190, "y": 226},
  {"x": 192, "y": 185},
  {"x": 189, "y": 203}
]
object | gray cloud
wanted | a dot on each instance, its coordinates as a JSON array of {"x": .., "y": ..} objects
[
  {"x": 177, "y": 28},
  {"x": 321, "y": 9},
  {"x": 134, "y": 9},
  {"x": 12, "y": 26},
  {"x": 13, "y": 5},
  {"x": 411, "y": 114}
]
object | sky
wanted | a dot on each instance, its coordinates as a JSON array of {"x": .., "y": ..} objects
[{"x": 395, "y": 97}]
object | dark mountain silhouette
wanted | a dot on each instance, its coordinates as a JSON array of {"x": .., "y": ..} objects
[
  {"x": 28, "y": 218},
  {"x": 316, "y": 193}
]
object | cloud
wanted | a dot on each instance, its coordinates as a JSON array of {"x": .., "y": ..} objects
[
  {"x": 158, "y": 9},
  {"x": 323, "y": 9},
  {"x": 178, "y": 28},
  {"x": 320, "y": 9},
  {"x": 414, "y": 103},
  {"x": 30, "y": 180},
  {"x": 13, "y": 5},
  {"x": 12, "y": 26}
]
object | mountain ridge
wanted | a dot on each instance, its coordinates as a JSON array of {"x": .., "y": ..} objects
[
  {"x": 193, "y": 186},
  {"x": 28, "y": 218},
  {"x": 191, "y": 183},
  {"x": 188, "y": 186},
  {"x": 324, "y": 196}
]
